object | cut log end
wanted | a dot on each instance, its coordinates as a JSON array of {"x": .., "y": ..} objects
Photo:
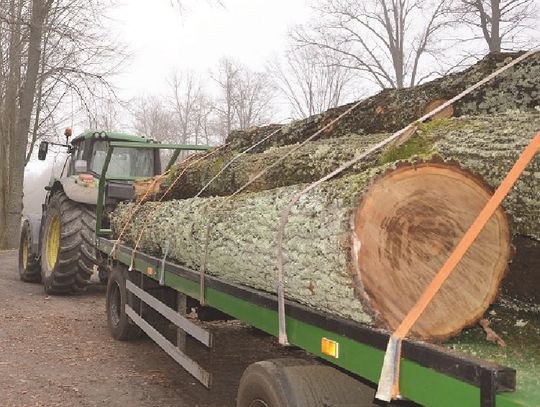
[
  {"x": 406, "y": 227},
  {"x": 147, "y": 189}
]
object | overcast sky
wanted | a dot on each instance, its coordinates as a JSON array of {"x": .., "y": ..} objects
[{"x": 161, "y": 38}]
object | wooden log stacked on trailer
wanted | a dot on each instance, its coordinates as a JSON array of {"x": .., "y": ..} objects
[
  {"x": 515, "y": 90},
  {"x": 392, "y": 109},
  {"x": 365, "y": 245}
]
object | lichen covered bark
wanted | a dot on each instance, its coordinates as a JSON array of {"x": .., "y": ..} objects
[
  {"x": 488, "y": 146},
  {"x": 241, "y": 240},
  {"x": 390, "y": 110},
  {"x": 311, "y": 162}
]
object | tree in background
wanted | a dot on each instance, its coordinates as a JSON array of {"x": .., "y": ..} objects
[
  {"x": 226, "y": 78},
  {"x": 502, "y": 24},
  {"x": 103, "y": 114},
  {"x": 253, "y": 97},
  {"x": 192, "y": 108},
  {"x": 46, "y": 47},
  {"x": 21, "y": 25},
  {"x": 312, "y": 79},
  {"x": 244, "y": 97},
  {"x": 191, "y": 114},
  {"x": 153, "y": 117},
  {"x": 390, "y": 42},
  {"x": 78, "y": 59}
]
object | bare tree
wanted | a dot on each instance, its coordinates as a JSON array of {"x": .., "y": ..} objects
[
  {"x": 22, "y": 22},
  {"x": 43, "y": 43},
  {"x": 153, "y": 117},
  {"x": 312, "y": 79},
  {"x": 502, "y": 24},
  {"x": 254, "y": 95},
  {"x": 78, "y": 59},
  {"x": 387, "y": 41},
  {"x": 245, "y": 97},
  {"x": 206, "y": 127},
  {"x": 104, "y": 115},
  {"x": 227, "y": 78},
  {"x": 191, "y": 106}
]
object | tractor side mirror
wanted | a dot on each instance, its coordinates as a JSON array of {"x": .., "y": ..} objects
[
  {"x": 80, "y": 166},
  {"x": 43, "y": 149}
]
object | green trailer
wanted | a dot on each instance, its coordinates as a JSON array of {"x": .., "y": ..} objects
[{"x": 144, "y": 289}]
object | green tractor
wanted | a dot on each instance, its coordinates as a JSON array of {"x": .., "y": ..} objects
[{"x": 59, "y": 248}]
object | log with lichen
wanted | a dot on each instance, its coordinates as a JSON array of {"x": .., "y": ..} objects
[
  {"x": 362, "y": 247},
  {"x": 365, "y": 245},
  {"x": 391, "y": 109},
  {"x": 485, "y": 145}
]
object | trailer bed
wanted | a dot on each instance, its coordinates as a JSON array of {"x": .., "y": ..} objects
[{"x": 430, "y": 375}]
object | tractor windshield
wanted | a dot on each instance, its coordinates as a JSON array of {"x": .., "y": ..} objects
[{"x": 125, "y": 162}]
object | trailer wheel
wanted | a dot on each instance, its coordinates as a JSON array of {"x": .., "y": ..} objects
[
  {"x": 263, "y": 384},
  {"x": 29, "y": 269},
  {"x": 68, "y": 254},
  {"x": 120, "y": 326},
  {"x": 299, "y": 383}
]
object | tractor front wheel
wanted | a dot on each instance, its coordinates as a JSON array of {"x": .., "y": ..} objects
[{"x": 68, "y": 253}]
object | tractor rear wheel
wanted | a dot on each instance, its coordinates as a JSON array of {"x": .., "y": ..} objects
[
  {"x": 68, "y": 254},
  {"x": 29, "y": 270}
]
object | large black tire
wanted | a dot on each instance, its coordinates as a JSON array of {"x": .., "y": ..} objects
[
  {"x": 68, "y": 253},
  {"x": 29, "y": 269},
  {"x": 120, "y": 326},
  {"x": 298, "y": 383}
]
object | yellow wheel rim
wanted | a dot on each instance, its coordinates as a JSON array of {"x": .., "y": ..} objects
[
  {"x": 25, "y": 254},
  {"x": 53, "y": 242}
]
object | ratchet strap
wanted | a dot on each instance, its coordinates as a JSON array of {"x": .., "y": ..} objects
[{"x": 388, "y": 388}]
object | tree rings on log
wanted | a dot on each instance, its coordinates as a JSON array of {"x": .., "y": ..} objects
[{"x": 408, "y": 223}]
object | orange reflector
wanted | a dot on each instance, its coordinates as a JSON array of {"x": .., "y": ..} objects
[{"x": 330, "y": 347}]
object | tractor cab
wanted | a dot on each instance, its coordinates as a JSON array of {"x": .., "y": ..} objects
[{"x": 88, "y": 151}]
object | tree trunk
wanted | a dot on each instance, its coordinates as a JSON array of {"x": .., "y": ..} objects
[
  {"x": 391, "y": 110},
  {"x": 488, "y": 146},
  {"x": 20, "y": 117},
  {"x": 9, "y": 224},
  {"x": 363, "y": 247},
  {"x": 495, "y": 37}
]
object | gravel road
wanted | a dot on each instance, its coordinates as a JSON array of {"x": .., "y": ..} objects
[{"x": 56, "y": 351}]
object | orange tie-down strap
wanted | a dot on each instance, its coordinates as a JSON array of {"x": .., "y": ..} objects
[{"x": 389, "y": 382}]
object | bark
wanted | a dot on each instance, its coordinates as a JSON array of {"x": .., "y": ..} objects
[
  {"x": 331, "y": 261},
  {"x": 488, "y": 146},
  {"x": 15, "y": 140},
  {"x": 522, "y": 281},
  {"x": 311, "y": 162},
  {"x": 391, "y": 110},
  {"x": 9, "y": 225}
]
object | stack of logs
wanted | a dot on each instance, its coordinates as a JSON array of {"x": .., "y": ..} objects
[{"x": 364, "y": 245}]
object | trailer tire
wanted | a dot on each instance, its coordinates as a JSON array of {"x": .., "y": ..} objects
[
  {"x": 120, "y": 326},
  {"x": 263, "y": 384},
  {"x": 29, "y": 268},
  {"x": 68, "y": 254},
  {"x": 299, "y": 383}
]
